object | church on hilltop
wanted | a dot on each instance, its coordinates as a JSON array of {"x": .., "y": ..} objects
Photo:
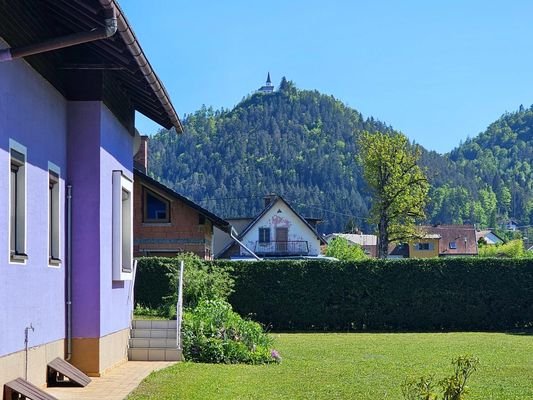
[{"x": 268, "y": 87}]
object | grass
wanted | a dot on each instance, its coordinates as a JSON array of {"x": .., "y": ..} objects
[{"x": 354, "y": 366}]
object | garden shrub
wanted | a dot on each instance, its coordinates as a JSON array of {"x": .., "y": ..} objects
[
  {"x": 452, "y": 388},
  {"x": 214, "y": 333},
  {"x": 511, "y": 249},
  {"x": 157, "y": 281},
  {"x": 342, "y": 249}
]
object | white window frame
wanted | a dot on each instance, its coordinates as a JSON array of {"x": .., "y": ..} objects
[
  {"x": 21, "y": 221},
  {"x": 122, "y": 226},
  {"x": 54, "y": 211}
]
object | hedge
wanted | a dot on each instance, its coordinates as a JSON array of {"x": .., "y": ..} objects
[
  {"x": 384, "y": 295},
  {"x": 377, "y": 295},
  {"x": 153, "y": 280}
]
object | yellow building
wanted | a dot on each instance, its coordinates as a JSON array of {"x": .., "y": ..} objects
[{"x": 426, "y": 247}]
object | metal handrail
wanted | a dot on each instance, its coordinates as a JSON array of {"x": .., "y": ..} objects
[{"x": 288, "y": 247}]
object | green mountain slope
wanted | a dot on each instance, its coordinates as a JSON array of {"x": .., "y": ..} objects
[{"x": 302, "y": 145}]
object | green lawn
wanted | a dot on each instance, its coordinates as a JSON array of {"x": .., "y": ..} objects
[{"x": 354, "y": 366}]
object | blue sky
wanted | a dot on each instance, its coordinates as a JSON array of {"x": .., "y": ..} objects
[{"x": 439, "y": 71}]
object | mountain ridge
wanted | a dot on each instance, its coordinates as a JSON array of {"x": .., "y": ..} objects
[{"x": 302, "y": 145}]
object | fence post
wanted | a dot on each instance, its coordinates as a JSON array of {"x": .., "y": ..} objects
[{"x": 179, "y": 307}]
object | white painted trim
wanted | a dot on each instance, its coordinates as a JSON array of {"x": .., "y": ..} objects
[{"x": 121, "y": 183}]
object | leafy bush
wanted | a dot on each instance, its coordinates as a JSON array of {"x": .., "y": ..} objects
[
  {"x": 341, "y": 249},
  {"x": 511, "y": 249},
  {"x": 385, "y": 295},
  {"x": 453, "y": 387},
  {"x": 214, "y": 333},
  {"x": 157, "y": 281}
]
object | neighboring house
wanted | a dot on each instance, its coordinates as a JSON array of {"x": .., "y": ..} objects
[
  {"x": 398, "y": 250},
  {"x": 510, "y": 225},
  {"x": 427, "y": 246},
  {"x": 66, "y": 181},
  {"x": 166, "y": 223},
  {"x": 445, "y": 241},
  {"x": 369, "y": 243},
  {"x": 488, "y": 237},
  {"x": 221, "y": 238},
  {"x": 439, "y": 241},
  {"x": 278, "y": 231}
]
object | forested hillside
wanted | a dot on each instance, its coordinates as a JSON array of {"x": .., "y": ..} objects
[{"x": 302, "y": 144}]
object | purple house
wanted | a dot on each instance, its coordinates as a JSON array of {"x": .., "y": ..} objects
[{"x": 72, "y": 75}]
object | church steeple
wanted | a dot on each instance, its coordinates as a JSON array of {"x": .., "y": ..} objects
[{"x": 268, "y": 88}]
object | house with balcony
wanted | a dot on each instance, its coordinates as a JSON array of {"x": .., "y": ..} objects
[
  {"x": 278, "y": 231},
  {"x": 72, "y": 75}
]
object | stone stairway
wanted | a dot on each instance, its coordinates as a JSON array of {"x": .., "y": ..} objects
[{"x": 153, "y": 340}]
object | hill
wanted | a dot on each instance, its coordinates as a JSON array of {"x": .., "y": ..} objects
[{"x": 302, "y": 144}]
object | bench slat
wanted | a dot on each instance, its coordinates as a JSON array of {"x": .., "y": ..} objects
[
  {"x": 70, "y": 371},
  {"x": 26, "y": 389}
]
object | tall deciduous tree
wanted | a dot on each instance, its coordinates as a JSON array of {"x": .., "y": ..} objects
[{"x": 399, "y": 186}]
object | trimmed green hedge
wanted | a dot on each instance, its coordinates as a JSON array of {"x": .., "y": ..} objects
[
  {"x": 153, "y": 280},
  {"x": 383, "y": 295},
  {"x": 377, "y": 295}
]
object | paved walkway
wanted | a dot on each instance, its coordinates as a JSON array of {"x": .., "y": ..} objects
[{"x": 114, "y": 385}]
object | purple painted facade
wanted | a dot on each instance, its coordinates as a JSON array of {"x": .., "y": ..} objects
[
  {"x": 67, "y": 113},
  {"x": 87, "y": 142},
  {"x": 32, "y": 292},
  {"x": 116, "y": 153}
]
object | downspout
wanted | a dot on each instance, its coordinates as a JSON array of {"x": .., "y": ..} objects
[
  {"x": 234, "y": 237},
  {"x": 69, "y": 273},
  {"x": 61, "y": 42}
]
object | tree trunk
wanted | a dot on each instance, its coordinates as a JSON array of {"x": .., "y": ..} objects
[{"x": 383, "y": 244}]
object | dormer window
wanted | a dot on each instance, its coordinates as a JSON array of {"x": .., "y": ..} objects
[{"x": 156, "y": 208}]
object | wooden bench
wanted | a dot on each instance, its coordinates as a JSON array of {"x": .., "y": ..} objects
[
  {"x": 58, "y": 369},
  {"x": 21, "y": 389}
]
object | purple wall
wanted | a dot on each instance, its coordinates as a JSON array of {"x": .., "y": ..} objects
[
  {"x": 98, "y": 144},
  {"x": 34, "y": 114},
  {"x": 87, "y": 143},
  {"x": 84, "y": 170},
  {"x": 116, "y": 153}
]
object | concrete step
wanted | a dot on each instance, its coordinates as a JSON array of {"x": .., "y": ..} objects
[
  {"x": 136, "y": 342},
  {"x": 153, "y": 324},
  {"x": 154, "y": 354},
  {"x": 154, "y": 333}
]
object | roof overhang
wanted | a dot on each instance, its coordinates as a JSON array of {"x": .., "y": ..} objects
[{"x": 120, "y": 56}]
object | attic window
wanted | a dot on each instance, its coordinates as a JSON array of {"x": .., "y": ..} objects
[
  {"x": 453, "y": 245},
  {"x": 156, "y": 208},
  {"x": 201, "y": 219},
  {"x": 264, "y": 235}
]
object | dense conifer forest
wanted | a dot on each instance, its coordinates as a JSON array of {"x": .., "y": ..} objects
[{"x": 302, "y": 145}]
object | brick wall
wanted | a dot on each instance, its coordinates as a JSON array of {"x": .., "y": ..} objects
[{"x": 182, "y": 234}]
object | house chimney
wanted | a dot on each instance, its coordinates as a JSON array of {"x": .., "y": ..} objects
[
  {"x": 140, "y": 160},
  {"x": 269, "y": 198}
]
